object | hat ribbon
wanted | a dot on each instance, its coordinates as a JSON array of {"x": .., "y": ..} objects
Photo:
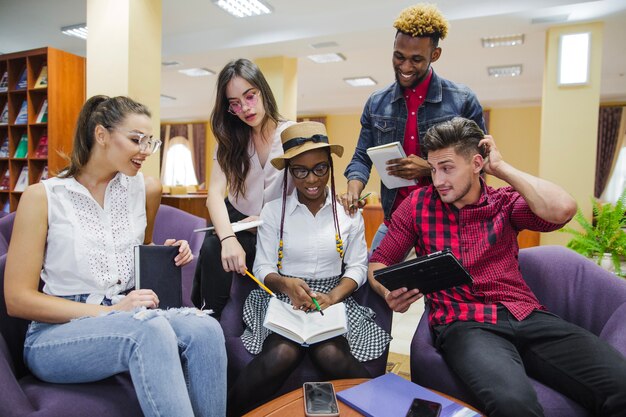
[{"x": 292, "y": 143}]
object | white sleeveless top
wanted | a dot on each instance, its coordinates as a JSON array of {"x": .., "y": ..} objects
[
  {"x": 263, "y": 183},
  {"x": 89, "y": 249}
]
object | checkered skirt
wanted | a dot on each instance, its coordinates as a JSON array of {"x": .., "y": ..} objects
[{"x": 367, "y": 340}]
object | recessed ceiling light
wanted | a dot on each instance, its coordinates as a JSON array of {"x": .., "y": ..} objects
[
  {"x": 329, "y": 44},
  {"x": 326, "y": 58},
  {"x": 508, "y": 40},
  {"x": 78, "y": 31},
  {"x": 360, "y": 81},
  {"x": 196, "y": 72},
  {"x": 505, "y": 71},
  {"x": 244, "y": 8},
  {"x": 170, "y": 64}
]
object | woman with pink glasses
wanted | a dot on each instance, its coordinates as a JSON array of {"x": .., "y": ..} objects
[{"x": 247, "y": 126}]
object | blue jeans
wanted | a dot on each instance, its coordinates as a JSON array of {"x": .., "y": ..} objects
[
  {"x": 378, "y": 237},
  {"x": 176, "y": 358}
]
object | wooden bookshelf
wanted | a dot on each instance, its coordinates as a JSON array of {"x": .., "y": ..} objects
[{"x": 65, "y": 93}]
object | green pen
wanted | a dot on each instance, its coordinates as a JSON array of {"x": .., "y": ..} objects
[
  {"x": 317, "y": 305},
  {"x": 361, "y": 199}
]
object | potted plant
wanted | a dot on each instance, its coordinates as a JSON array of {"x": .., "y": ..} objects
[{"x": 605, "y": 237}]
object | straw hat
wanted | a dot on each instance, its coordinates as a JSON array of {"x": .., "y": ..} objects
[{"x": 303, "y": 137}]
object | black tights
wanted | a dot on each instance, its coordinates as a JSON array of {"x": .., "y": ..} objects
[{"x": 267, "y": 372}]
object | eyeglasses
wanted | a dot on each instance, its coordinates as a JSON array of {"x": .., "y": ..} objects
[
  {"x": 146, "y": 143},
  {"x": 250, "y": 100},
  {"x": 318, "y": 170}
]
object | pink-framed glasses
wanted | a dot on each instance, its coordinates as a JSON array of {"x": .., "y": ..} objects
[{"x": 249, "y": 100}]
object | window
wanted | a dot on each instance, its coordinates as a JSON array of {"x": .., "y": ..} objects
[
  {"x": 617, "y": 182},
  {"x": 179, "y": 168}
]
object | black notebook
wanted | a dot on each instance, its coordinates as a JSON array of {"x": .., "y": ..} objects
[
  {"x": 155, "y": 270},
  {"x": 434, "y": 272}
]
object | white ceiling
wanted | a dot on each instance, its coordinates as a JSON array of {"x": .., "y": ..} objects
[{"x": 198, "y": 34}]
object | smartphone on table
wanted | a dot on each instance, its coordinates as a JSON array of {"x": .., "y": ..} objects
[
  {"x": 423, "y": 408},
  {"x": 320, "y": 400}
]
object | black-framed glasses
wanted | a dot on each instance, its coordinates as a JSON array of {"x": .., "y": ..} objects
[
  {"x": 250, "y": 100},
  {"x": 318, "y": 170}
]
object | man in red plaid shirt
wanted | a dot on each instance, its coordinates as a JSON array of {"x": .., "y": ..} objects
[{"x": 494, "y": 332}]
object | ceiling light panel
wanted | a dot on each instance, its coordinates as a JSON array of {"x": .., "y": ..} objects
[
  {"x": 196, "y": 72},
  {"x": 326, "y": 58},
  {"x": 508, "y": 40},
  {"x": 244, "y": 8},
  {"x": 78, "y": 31},
  {"x": 360, "y": 81},
  {"x": 505, "y": 71}
]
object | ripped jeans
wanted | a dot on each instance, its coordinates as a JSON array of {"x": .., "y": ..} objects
[{"x": 176, "y": 358}]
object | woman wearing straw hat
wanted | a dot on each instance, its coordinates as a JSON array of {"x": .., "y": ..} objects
[
  {"x": 305, "y": 236},
  {"x": 247, "y": 127}
]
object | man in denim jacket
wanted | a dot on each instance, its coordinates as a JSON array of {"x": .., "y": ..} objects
[{"x": 406, "y": 109}]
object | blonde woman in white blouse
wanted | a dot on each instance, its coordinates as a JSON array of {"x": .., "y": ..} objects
[{"x": 76, "y": 233}]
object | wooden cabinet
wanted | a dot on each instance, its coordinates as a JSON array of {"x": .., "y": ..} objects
[{"x": 63, "y": 93}]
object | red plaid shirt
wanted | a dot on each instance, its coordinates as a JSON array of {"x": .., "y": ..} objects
[{"x": 483, "y": 236}]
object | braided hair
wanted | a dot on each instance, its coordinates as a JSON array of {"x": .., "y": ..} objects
[{"x": 333, "y": 199}]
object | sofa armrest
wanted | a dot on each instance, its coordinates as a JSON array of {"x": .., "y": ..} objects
[
  {"x": 614, "y": 331},
  {"x": 14, "y": 401}
]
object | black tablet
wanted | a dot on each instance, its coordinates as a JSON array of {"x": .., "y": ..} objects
[{"x": 430, "y": 273}]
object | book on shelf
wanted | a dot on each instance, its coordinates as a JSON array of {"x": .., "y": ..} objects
[
  {"x": 398, "y": 394},
  {"x": 22, "y": 83},
  {"x": 4, "y": 148},
  {"x": 22, "y": 116},
  {"x": 44, "y": 173},
  {"x": 4, "y": 116},
  {"x": 42, "y": 116},
  {"x": 22, "y": 180},
  {"x": 305, "y": 328},
  {"x": 155, "y": 270},
  {"x": 5, "y": 181},
  {"x": 383, "y": 153},
  {"x": 42, "y": 79},
  {"x": 4, "y": 82},
  {"x": 42, "y": 147},
  {"x": 22, "y": 147}
]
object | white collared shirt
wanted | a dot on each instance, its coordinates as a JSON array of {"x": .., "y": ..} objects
[
  {"x": 309, "y": 249},
  {"x": 263, "y": 183},
  {"x": 89, "y": 249}
]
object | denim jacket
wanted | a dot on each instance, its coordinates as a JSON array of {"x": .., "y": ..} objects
[{"x": 384, "y": 118}]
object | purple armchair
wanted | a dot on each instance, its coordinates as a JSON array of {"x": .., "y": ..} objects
[
  {"x": 238, "y": 357},
  {"x": 24, "y": 395},
  {"x": 570, "y": 286}
]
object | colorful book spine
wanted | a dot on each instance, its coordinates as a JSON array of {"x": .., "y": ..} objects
[
  {"x": 22, "y": 180},
  {"x": 42, "y": 80},
  {"x": 44, "y": 173},
  {"x": 5, "y": 181},
  {"x": 4, "y": 116},
  {"x": 23, "y": 81},
  {"x": 22, "y": 147},
  {"x": 42, "y": 117},
  {"x": 42, "y": 147},
  {"x": 22, "y": 116},
  {"x": 4, "y": 148},
  {"x": 4, "y": 82}
]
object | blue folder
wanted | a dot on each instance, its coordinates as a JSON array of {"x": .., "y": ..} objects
[{"x": 391, "y": 396}]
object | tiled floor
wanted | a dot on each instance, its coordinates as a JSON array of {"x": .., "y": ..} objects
[{"x": 403, "y": 326}]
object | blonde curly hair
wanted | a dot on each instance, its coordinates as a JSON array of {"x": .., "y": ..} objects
[{"x": 422, "y": 20}]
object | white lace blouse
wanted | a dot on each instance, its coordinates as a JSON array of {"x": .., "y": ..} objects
[{"x": 89, "y": 249}]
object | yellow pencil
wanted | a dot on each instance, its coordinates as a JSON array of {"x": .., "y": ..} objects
[{"x": 260, "y": 284}]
